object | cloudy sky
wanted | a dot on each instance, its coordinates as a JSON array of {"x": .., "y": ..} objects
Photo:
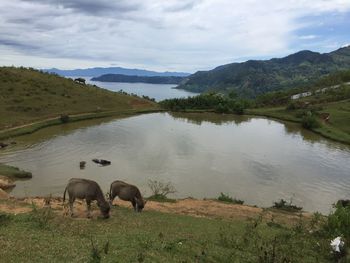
[{"x": 181, "y": 35}]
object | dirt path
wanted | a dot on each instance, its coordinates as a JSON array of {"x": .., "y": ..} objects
[
  {"x": 192, "y": 207},
  {"x": 49, "y": 119}
]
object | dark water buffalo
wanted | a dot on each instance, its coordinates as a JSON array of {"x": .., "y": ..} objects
[
  {"x": 88, "y": 190},
  {"x": 127, "y": 192},
  {"x": 101, "y": 162},
  {"x": 82, "y": 164},
  {"x": 80, "y": 80}
]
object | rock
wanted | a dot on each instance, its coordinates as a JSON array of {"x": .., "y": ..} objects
[
  {"x": 6, "y": 183},
  {"x": 3, "y": 194}
]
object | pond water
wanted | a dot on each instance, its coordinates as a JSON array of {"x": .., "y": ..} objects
[
  {"x": 253, "y": 159},
  {"x": 156, "y": 91}
]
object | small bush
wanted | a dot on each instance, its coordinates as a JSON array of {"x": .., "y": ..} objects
[
  {"x": 291, "y": 106},
  {"x": 64, "y": 118},
  {"x": 287, "y": 206},
  {"x": 222, "y": 108},
  {"x": 338, "y": 222},
  {"x": 310, "y": 122},
  {"x": 228, "y": 199},
  {"x": 160, "y": 190}
]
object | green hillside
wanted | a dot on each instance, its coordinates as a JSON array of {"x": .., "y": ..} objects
[
  {"x": 28, "y": 95},
  {"x": 256, "y": 77}
]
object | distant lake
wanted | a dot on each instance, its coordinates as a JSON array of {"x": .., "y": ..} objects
[
  {"x": 156, "y": 91},
  {"x": 254, "y": 159}
]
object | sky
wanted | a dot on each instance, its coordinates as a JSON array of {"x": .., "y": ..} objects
[{"x": 173, "y": 35}]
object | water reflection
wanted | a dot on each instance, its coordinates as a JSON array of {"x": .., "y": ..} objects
[
  {"x": 254, "y": 159},
  {"x": 199, "y": 118}
]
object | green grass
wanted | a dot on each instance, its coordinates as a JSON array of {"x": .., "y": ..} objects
[
  {"x": 41, "y": 236},
  {"x": 28, "y": 96},
  {"x": 338, "y": 127},
  {"x": 13, "y": 172}
]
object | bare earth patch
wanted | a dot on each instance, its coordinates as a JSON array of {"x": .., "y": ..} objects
[{"x": 191, "y": 207}]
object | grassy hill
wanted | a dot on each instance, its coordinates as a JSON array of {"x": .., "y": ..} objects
[
  {"x": 28, "y": 95},
  {"x": 255, "y": 77}
]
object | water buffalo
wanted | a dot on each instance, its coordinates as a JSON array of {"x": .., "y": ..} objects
[
  {"x": 127, "y": 192},
  {"x": 82, "y": 164},
  {"x": 88, "y": 190},
  {"x": 80, "y": 80},
  {"x": 101, "y": 162}
]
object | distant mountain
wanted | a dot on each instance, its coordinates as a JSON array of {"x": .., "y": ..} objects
[
  {"x": 255, "y": 77},
  {"x": 135, "y": 79},
  {"x": 94, "y": 72}
]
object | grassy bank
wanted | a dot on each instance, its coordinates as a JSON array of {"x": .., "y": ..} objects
[
  {"x": 337, "y": 128},
  {"x": 152, "y": 236},
  {"x": 13, "y": 172},
  {"x": 29, "y": 96}
]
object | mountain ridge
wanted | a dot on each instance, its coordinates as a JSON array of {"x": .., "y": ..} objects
[
  {"x": 139, "y": 79},
  {"x": 98, "y": 71},
  {"x": 255, "y": 77}
]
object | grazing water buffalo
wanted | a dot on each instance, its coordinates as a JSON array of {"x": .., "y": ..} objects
[
  {"x": 127, "y": 192},
  {"x": 88, "y": 190}
]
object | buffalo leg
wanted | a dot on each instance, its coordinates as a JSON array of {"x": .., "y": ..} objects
[
  {"x": 88, "y": 204},
  {"x": 71, "y": 201},
  {"x": 134, "y": 205}
]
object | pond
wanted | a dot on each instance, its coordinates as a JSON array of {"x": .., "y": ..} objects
[{"x": 254, "y": 159}]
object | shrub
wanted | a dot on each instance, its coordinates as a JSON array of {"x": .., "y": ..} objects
[
  {"x": 222, "y": 108},
  {"x": 291, "y": 106},
  {"x": 64, "y": 118},
  {"x": 228, "y": 199},
  {"x": 287, "y": 206},
  {"x": 309, "y": 121},
  {"x": 338, "y": 222},
  {"x": 160, "y": 190}
]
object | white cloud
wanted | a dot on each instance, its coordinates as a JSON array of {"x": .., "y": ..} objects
[
  {"x": 155, "y": 34},
  {"x": 307, "y": 37}
]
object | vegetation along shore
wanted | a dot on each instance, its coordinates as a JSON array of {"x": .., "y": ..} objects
[{"x": 323, "y": 107}]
